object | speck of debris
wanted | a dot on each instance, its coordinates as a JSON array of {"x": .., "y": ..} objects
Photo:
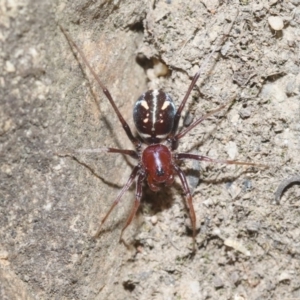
[
  {"x": 276, "y": 23},
  {"x": 218, "y": 282}
]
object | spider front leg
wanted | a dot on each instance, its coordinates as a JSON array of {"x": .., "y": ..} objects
[
  {"x": 180, "y": 156},
  {"x": 173, "y": 138},
  {"x": 138, "y": 196},
  {"x": 131, "y": 153},
  {"x": 117, "y": 200},
  {"x": 189, "y": 201},
  {"x": 106, "y": 92},
  {"x": 180, "y": 173}
]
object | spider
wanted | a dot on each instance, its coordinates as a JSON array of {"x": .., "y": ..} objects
[{"x": 156, "y": 120}]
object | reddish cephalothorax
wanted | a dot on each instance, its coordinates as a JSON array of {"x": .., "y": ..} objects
[
  {"x": 156, "y": 119},
  {"x": 157, "y": 163}
]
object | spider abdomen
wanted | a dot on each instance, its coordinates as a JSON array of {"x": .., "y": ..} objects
[{"x": 153, "y": 115}]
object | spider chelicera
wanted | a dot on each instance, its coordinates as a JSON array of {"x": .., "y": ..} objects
[{"x": 156, "y": 119}]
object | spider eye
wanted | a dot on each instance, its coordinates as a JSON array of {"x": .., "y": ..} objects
[
  {"x": 153, "y": 116},
  {"x": 160, "y": 172}
]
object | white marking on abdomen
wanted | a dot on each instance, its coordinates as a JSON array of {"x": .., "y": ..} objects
[
  {"x": 165, "y": 105},
  {"x": 145, "y": 104},
  {"x": 154, "y": 99},
  {"x": 161, "y": 136}
]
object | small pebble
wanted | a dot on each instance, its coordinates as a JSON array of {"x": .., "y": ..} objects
[
  {"x": 295, "y": 2},
  {"x": 218, "y": 282},
  {"x": 160, "y": 69},
  {"x": 284, "y": 276},
  {"x": 150, "y": 243},
  {"x": 276, "y": 23},
  {"x": 57, "y": 167},
  {"x": 6, "y": 169},
  {"x": 3, "y": 254},
  {"x": 236, "y": 245},
  {"x": 278, "y": 128},
  {"x": 216, "y": 232},
  {"x": 245, "y": 113},
  {"x": 235, "y": 278},
  {"x": 231, "y": 149},
  {"x": 209, "y": 202},
  {"x": 253, "y": 226},
  {"x": 247, "y": 185},
  {"x": 154, "y": 220},
  {"x": 150, "y": 74},
  {"x": 188, "y": 119},
  {"x": 10, "y": 68},
  {"x": 234, "y": 190}
]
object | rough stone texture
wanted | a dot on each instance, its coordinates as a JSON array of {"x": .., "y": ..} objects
[{"x": 50, "y": 206}]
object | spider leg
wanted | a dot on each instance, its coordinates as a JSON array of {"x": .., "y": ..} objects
[
  {"x": 106, "y": 92},
  {"x": 117, "y": 200},
  {"x": 198, "y": 121},
  {"x": 131, "y": 153},
  {"x": 138, "y": 196},
  {"x": 189, "y": 202},
  {"x": 192, "y": 84},
  {"x": 180, "y": 156}
]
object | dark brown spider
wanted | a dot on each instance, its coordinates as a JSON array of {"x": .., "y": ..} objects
[{"x": 156, "y": 120}]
